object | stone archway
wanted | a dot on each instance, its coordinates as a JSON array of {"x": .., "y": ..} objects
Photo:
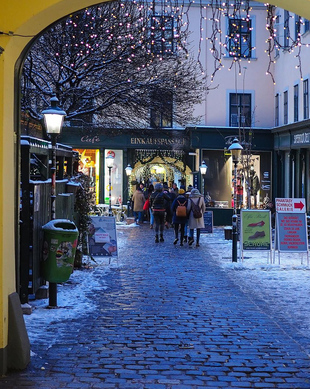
[{"x": 20, "y": 23}]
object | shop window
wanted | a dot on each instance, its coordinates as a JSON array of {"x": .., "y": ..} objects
[
  {"x": 162, "y": 109},
  {"x": 240, "y": 110},
  {"x": 240, "y": 38},
  {"x": 89, "y": 165},
  {"x": 162, "y": 39},
  {"x": 306, "y": 98},
  {"x": 217, "y": 181},
  {"x": 116, "y": 178}
]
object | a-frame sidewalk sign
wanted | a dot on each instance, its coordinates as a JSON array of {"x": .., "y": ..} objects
[
  {"x": 291, "y": 227},
  {"x": 256, "y": 231}
]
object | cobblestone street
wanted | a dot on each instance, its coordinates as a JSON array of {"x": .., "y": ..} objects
[{"x": 170, "y": 317}]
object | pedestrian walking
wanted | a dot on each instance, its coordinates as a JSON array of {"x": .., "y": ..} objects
[
  {"x": 196, "y": 208},
  {"x": 138, "y": 203},
  {"x": 179, "y": 216},
  {"x": 175, "y": 188},
  {"x": 168, "y": 205},
  {"x": 187, "y": 193},
  {"x": 150, "y": 191},
  {"x": 158, "y": 203}
]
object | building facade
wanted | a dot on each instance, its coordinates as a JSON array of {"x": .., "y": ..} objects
[
  {"x": 20, "y": 24},
  {"x": 238, "y": 103}
]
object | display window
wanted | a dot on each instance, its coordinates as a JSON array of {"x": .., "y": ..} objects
[
  {"x": 253, "y": 181},
  {"x": 116, "y": 178},
  {"x": 89, "y": 165}
]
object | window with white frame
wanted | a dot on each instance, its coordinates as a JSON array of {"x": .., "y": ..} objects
[
  {"x": 162, "y": 38},
  {"x": 306, "y": 98},
  {"x": 297, "y": 27},
  {"x": 279, "y": 30},
  {"x": 286, "y": 42},
  {"x": 240, "y": 110},
  {"x": 240, "y": 42},
  {"x": 285, "y": 107},
  {"x": 276, "y": 118},
  {"x": 296, "y": 102},
  {"x": 162, "y": 109}
]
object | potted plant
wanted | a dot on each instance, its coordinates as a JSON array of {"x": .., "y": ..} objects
[{"x": 84, "y": 200}]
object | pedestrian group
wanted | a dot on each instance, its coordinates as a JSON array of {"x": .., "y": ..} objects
[{"x": 177, "y": 208}]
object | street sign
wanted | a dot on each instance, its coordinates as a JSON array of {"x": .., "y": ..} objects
[{"x": 290, "y": 205}]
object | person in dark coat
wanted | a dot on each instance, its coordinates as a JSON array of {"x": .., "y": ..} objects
[
  {"x": 168, "y": 205},
  {"x": 179, "y": 222},
  {"x": 158, "y": 203}
]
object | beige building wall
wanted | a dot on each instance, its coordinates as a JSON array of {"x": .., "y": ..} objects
[
  {"x": 245, "y": 76},
  {"x": 288, "y": 73}
]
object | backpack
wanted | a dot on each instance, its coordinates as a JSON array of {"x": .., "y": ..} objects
[
  {"x": 181, "y": 209},
  {"x": 196, "y": 210}
]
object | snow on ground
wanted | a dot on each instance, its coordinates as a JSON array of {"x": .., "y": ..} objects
[
  {"x": 73, "y": 300},
  {"x": 285, "y": 286}
]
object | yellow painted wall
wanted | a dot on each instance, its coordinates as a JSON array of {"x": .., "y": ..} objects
[{"x": 29, "y": 18}]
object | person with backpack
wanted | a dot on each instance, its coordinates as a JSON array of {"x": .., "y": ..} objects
[
  {"x": 195, "y": 208},
  {"x": 158, "y": 204},
  {"x": 179, "y": 215}
]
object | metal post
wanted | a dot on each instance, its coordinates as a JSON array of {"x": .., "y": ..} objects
[
  {"x": 203, "y": 187},
  {"x": 53, "y": 174},
  {"x": 128, "y": 196},
  {"x": 53, "y": 120},
  {"x": 110, "y": 194},
  {"x": 234, "y": 218},
  {"x": 52, "y": 285}
]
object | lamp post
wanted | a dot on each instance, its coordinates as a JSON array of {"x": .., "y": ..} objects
[
  {"x": 128, "y": 171},
  {"x": 110, "y": 161},
  {"x": 235, "y": 149},
  {"x": 203, "y": 170},
  {"x": 53, "y": 121}
]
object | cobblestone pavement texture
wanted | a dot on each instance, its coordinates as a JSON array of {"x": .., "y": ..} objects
[{"x": 170, "y": 317}]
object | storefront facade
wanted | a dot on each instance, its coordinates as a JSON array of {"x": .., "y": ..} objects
[
  {"x": 292, "y": 161},
  {"x": 213, "y": 143},
  {"x": 161, "y": 156},
  {"x": 174, "y": 156}
]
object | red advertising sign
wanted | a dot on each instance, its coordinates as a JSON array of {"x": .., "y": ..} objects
[
  {"x": 291, "y": 205},
  {"x": 292, "y": 232}
]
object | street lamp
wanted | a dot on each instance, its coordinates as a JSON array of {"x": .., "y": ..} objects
[
  {"x": 53, "y": 121},
  {"x": 203, "y": 170},
  {"x": 110, "y": 162},
  {"x": 128, "y": 171},
  {"x": 235, "y": 148}
]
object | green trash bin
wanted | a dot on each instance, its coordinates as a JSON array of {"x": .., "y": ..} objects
[{"x": 59, "y": 246}]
